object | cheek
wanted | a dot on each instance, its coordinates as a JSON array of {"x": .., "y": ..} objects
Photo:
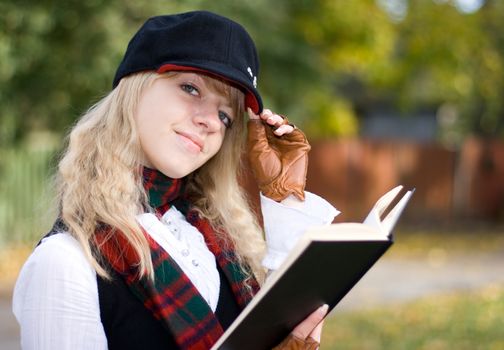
[
  {"x": 152, "y": 121},
  {"x": 143, "y": 130},
  {"x": 147, "y": 135},
  {"x": 145, "y": 146},
  {"x": 143, "y": 118}
]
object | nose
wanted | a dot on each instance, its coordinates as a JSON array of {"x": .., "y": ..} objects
[{"x": 207, "y": 116}]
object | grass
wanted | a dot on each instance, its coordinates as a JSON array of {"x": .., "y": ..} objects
[{"x": 453, "y": 321}]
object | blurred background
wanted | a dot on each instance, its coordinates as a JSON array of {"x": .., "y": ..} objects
[{"x": 388, "y": 91}]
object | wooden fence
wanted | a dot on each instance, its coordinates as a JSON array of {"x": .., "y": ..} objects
[
  {"x": 25, "y": 194},
  {"x": 451, "y": 185}
]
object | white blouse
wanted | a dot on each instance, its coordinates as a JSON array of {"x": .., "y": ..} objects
[{"x": 56, "y": 301}]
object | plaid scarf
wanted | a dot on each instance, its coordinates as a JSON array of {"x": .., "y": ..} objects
[{"x": 172, "y": 298}]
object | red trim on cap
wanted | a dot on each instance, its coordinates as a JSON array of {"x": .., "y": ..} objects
[{"x": 250, "y": 99}]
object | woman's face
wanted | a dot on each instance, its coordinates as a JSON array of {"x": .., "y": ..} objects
[{"x": 181, "y": 122}]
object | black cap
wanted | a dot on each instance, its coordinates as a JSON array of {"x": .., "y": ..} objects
[{"x": 196, "y": 41}]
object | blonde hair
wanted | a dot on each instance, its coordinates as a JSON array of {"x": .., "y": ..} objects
[{"x": 99, "y": 179}]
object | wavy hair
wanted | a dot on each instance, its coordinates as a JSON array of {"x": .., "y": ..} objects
[{"x": 99, "y": 181}]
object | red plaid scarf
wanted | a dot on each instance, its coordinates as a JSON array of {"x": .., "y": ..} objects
[{"x": 172, "y": 298}]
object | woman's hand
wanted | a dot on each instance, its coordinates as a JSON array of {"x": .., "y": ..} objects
[
  {"x": 306, "y": 336},
  {"x": 278, "y": 154}
]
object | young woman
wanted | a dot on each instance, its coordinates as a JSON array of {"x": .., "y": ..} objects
[{"x": 156, "y": 246}]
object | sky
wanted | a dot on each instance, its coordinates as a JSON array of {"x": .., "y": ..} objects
[{"x": 398, "y": 9}]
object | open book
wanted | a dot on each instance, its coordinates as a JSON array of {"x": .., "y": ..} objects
[{"x": 321, "y": 269}]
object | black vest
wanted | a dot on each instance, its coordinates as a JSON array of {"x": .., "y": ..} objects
[{"x": 129, "y": 325}]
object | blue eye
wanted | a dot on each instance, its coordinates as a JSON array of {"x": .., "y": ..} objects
[
  {"x": 226, "y": 119},
  {"x": 190, "y": 89}
]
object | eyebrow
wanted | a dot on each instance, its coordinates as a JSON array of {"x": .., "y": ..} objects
[{"x": 211, "y": 84}]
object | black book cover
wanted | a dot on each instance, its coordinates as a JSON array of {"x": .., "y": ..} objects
[{"x": 321, "y": 269}]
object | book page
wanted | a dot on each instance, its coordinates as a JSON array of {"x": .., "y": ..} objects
[
  {"x": 386, "y": 212},
  {"x": 389, "y": 222}
]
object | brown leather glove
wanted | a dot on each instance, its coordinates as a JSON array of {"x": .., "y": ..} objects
[
  {"x": 279, "y": 163},
  {"x": 294, "y": 343}
]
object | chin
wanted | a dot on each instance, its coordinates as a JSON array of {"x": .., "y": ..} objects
[{"x": 174, "y": 174}]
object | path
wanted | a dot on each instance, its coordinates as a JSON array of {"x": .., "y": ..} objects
[{"x": 394, "y": 280}]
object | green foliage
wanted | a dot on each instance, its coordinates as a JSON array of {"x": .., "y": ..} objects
[
  {"x": 329, "y": 116},
  {"x": 321, "y": 60},
  {"x": 444, "y": 56}
]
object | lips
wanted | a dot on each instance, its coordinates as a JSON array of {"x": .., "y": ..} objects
[{"x": 192, "y": 140}]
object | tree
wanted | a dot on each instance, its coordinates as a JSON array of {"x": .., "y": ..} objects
[
  {"x": 324, "y": 63},
  {"x": 445, "y": 57}
]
